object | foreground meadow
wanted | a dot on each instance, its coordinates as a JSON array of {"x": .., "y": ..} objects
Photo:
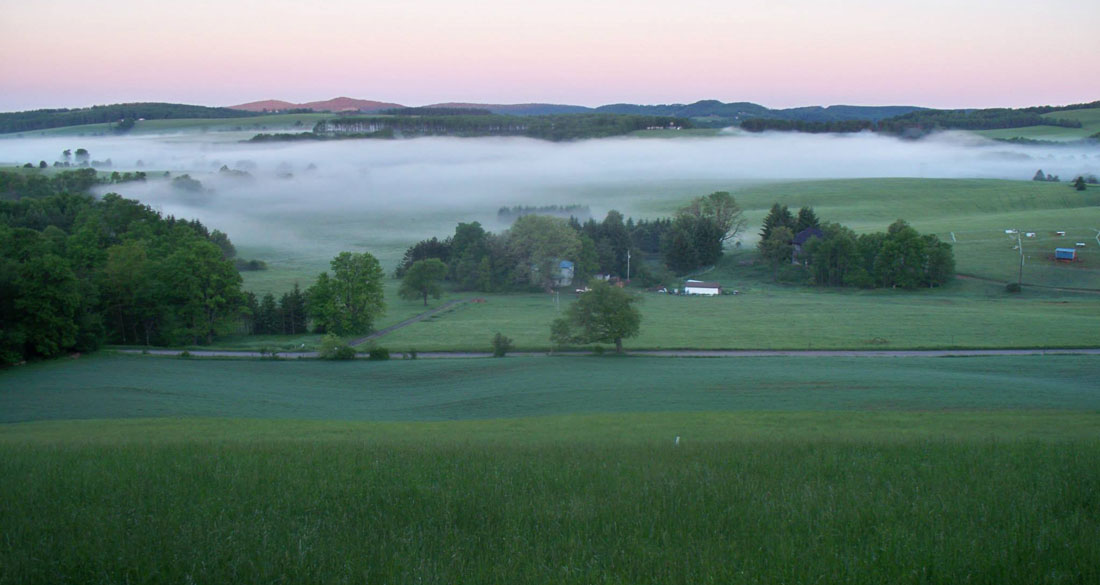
[{"x": 551, "y": 470}]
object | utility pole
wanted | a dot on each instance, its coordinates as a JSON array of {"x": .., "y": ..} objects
[
  {"x": 628, "y": 264},
  {"x": 1020, "y": 245}
]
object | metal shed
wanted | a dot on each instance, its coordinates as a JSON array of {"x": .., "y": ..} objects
[{"x": 1068, "y": 254}]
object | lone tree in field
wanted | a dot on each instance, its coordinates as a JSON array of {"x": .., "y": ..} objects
[
  {"x": 349, "y": 301},
  {"x": 604, "y": 314},
  {"x": 422, "y": 279}
]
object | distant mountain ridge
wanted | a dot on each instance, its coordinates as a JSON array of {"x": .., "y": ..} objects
[
  {"x": 339, "y": 104},
  {"x": 703, "y": 112}
]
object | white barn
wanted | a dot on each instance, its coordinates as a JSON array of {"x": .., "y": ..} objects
[{"x": 699, "y": 287}]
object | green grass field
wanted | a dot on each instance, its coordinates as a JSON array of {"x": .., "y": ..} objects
[
  {"x": 1090, "y": 125},
  {"x": 771, "y": 317},
  {"x": 136, "y": 386},
  {"x": 552, "y": 470},
  {"x": 972, "y": 214}
]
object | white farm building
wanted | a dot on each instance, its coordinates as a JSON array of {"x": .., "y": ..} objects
[{"x": 699, "y": 287}]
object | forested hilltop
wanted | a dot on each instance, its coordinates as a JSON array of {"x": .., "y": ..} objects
[{"x": 58, "y": 118}]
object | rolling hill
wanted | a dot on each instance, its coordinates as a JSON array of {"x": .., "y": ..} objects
[{"x": 339, "y": 104}]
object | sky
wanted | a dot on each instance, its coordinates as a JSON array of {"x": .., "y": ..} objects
[{"x": 779, "y": 53}]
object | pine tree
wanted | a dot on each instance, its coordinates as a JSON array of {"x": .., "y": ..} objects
[
  {"x": 806, "y": 219},
  {"x": 779, "y": 216}
]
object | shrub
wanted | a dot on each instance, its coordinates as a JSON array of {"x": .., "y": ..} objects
[
  {"x": 334, "y": 349},
  {"x": 598, "y": 350},
  {"x": 185, "y": 354},
  {"x": 501, "y": 345},
  {"x": 1013, "y": 287},
  {"x": 379, "y": 354},
  {"x": 411, "y": 354}
]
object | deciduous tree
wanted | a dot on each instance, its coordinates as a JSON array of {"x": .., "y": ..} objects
[
  {"x": 422, "y": 279},
  {"x": 349, "y": 301},
  {"x": 606, "y": 313}
]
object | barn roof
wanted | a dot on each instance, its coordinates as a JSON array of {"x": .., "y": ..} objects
[{"x": 803, "y": 236}]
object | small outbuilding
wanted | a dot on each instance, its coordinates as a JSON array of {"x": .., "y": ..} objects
[
  {"x": 699, "y": 287},
  {"x": 1065, "y": 254}
]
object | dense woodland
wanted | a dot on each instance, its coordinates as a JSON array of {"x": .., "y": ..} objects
[
  {"x": 774, "y": 124},
  {"x": 829, "y": 254},
  {"x": 76, "y": 272},
  {"x": 526, "y": 255},
  {"x": 58, "y": 118}
]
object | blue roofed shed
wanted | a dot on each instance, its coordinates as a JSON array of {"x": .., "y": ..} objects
[{"x": 1065, "y": 254}]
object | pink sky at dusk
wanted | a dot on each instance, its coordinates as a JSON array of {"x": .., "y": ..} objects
[{"x": 64, "y": 53}]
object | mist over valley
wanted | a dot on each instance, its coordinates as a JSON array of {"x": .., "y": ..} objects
[{"x": 304, "y": 202}]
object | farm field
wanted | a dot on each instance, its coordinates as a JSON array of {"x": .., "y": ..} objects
[
  {"x": 266, "y": 123},
  {"x": 1090, "y": 125},
  {"x": 763, "y": 316},
  {"x": 973, "y": 214},
  {"x": 456, "y": 389},
  {"x": 551, "y": 470},
  {"x": 976, "y": 210}
]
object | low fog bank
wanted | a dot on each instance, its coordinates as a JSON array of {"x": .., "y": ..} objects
[{"x": 312, "y": 199}]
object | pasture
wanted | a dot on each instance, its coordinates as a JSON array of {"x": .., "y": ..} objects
[
  {"x": 551, "y": 470},
  {"x": 977, "y": 211},
  {"x": 971, "y": 214},
  {"x": 1090, "y": 125},
  {"x": 765, "y": 316},
  {"x": 457, "y": 389},
  {"x": 254, "y": 124}
]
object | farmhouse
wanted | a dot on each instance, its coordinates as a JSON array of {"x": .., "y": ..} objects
[
  {"x": 698, "y": 287},
  {"x": 800, "y": 240},
  {"x": 564, "y": 277}
]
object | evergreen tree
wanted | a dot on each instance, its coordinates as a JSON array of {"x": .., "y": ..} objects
[
  {"x": 779, "y": 216},
  {"x": 678, "y": 250},
  {"x": 292, "y": 306},
  {"x": 269, "y": 320},
  {"x": 806, "y": 219}
]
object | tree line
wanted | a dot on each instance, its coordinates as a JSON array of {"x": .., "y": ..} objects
[
  {"x": 58, "y": 118},
  {"x": 528, "y": 255},
  {"x": 780, "y": 125},
  {"x": 922, "y": 121},
  {"x": 553, "y": 127},
  {"x": 985, "y": 119}
]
